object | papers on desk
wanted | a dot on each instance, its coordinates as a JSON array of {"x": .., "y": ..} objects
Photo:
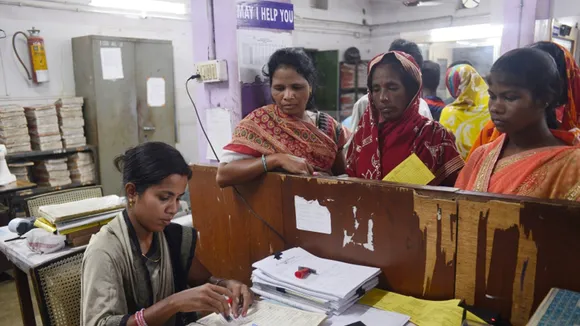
[
  {"x": 367, "y": 315},
  {"x": 334, "y": 288},
  {"x": 422, "y": 312},
  {"x": 266, "y": 314}
]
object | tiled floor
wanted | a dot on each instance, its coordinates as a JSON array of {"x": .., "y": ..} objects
[{"x": 10, "y": 311}]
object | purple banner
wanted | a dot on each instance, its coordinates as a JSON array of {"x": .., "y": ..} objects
[{"x": 266, "y": 14}]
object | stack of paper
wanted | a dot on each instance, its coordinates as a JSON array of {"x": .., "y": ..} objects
[
  {"x": 13, "y": 129},
  {"x": 52, "y": 173},
  {"x": 43, "y": 127},
  {"x": 333, "y": 288},
  {"x": 21, "y": 170},
  {"x": 71, "y": 122},
  {"x": 79, "y": 220},
  {"x": 81, "y": 167}
]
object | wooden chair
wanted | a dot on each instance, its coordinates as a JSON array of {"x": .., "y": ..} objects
[
  {"x": 57, "y": 285},
  {"x": 61, "y": 197}
]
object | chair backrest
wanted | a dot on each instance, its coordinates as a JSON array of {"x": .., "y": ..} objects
[
  {"x": 58, "y": 290},
  {"x": 61, "y": 197}
]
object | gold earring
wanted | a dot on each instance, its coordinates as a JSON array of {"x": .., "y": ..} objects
[{"x": 130, "y": 203}]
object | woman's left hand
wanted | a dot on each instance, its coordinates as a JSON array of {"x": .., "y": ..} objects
[{"x": 239, "y": 290}]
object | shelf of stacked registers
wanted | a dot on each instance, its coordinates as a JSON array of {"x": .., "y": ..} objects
[{"x": 46, "y": 145}]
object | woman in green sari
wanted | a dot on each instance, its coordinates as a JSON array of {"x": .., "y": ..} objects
[{"x": 140, "y": 269}]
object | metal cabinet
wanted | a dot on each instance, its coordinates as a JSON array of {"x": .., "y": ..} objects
[{"x": 111, "y": 74}]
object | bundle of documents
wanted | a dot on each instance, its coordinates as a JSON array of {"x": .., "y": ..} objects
[
  {"x": 52, "y": 173},
  {"x": 331, "y": 288},
  {"x": 14, "y": 129},
  {"x": 21, "y": 170},
  {"x": 81, "y": 219},
  {"x": 71, "y": 122},
  {"x": 43, "y": 127},
  {"x": 82, "y": 167}
]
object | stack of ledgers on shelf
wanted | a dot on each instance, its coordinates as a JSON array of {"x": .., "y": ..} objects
[
  {"x": 79, "y": 220},
  {"x": 52, "y": 173},
  {"x": 43, "y": 127},
  {"x": 13, "y": 129},
  {"x": 71, "y": 122},
  {"x": 82, "y": 167},
  {"x": 21, "y": 170},
  {"x": 332, "y": 289}
]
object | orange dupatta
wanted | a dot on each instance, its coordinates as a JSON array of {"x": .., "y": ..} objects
[
  {"x": 569, "y": 114},
  {"x": 546, "y": 173}
]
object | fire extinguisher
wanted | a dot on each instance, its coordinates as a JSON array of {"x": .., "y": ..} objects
[{"x": 36, "y": 53}]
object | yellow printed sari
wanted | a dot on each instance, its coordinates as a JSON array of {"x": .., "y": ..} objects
[{"x": 469, "y": 113}]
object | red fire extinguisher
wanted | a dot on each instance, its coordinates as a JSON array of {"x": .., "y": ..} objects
[{"x": 36, "y": 53}]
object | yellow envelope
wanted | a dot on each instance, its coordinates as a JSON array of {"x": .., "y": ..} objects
[{"x": 412, "y": 170}]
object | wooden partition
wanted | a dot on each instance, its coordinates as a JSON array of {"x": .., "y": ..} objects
[{"x": 497, "y": 252}]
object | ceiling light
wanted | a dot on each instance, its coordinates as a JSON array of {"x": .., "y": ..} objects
[{"x": 143, "y": 5}]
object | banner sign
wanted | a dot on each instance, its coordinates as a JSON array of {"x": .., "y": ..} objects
[{"x": 266, "y": 14}]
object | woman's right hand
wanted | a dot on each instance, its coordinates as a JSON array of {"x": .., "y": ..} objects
[
  {"x": 294, "y": 164},
  {"x": 205, "y": 298}
]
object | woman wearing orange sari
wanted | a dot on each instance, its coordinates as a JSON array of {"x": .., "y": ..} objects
[
  {"x": 391, "y": 128},
  {"x": 529, "y": 158},
  {"x": 567, "y": 113},
  {"x": 289, "y": 135}
]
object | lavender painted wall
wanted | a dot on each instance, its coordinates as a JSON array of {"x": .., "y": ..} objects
[
  {"x": 518, "y": 33},
  {"x": 226, "y": 95}
]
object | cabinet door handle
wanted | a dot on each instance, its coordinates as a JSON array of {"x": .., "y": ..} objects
[{"x": 148, "y": 128}]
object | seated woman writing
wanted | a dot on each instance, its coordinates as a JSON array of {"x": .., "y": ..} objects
[
  {"x": 530, "y": 157},
  {"x": 391, "y": 129},
  {"x": 568, "y": 110},
  {"x": 290, "y": 134},
  {"x": 140, "y": 268}
]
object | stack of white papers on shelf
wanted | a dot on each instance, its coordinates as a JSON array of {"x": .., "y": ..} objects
[
  {"x": 71, "y": 122},
  {"x": 14, "y": 129},
  {"x": 332, "y": 289}
]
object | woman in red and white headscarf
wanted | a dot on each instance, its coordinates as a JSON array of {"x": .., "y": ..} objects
[{"x": 391, "y": 129}]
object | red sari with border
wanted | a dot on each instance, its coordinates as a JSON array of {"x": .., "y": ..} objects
[
  {"x": 547, "y": 173},
  {"x": 380, "y": 146},
  {"x": 268, "y": 130}
]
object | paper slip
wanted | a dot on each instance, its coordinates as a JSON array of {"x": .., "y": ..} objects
[
  {"x": 332, "y": 277},
  {"x": 267, "y": 314},
  {"x": 422, "y": 312},
  {"x": 369, "y": 316},
  {"x": 412, "y": 171}
]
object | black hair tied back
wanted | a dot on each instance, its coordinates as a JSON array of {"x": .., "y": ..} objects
[
  {"x": 536, "y": 71},
  {"x": 149, "y": 164}
]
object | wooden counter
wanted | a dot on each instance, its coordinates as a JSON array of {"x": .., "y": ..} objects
[{"x": 498, "y": 252}]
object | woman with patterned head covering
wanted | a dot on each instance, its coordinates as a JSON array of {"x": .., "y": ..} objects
[
  {"x": 391, "y": 128},
  {"x": 468, "y": 114}
]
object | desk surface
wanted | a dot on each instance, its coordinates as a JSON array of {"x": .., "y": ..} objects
[
  {"x": 20, "y": 255},
  {"x": 16, "y": 186}
]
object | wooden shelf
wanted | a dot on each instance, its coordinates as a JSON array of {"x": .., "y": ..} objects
[
  {"x": 43, "y": 190},
  {"x": 36, "y": 154}
]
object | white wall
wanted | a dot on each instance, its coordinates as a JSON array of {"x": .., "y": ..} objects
[
  {"x": 58, "y": 27},
  {"x": 338, "y": 28},
  {"x": 392, "y": 20},
  {"x": 565, "y": 8}
]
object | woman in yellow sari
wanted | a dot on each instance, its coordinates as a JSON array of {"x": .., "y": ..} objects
[
  {"x": 530, "y": 157},
  {"x": 468, "y": 114}
]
